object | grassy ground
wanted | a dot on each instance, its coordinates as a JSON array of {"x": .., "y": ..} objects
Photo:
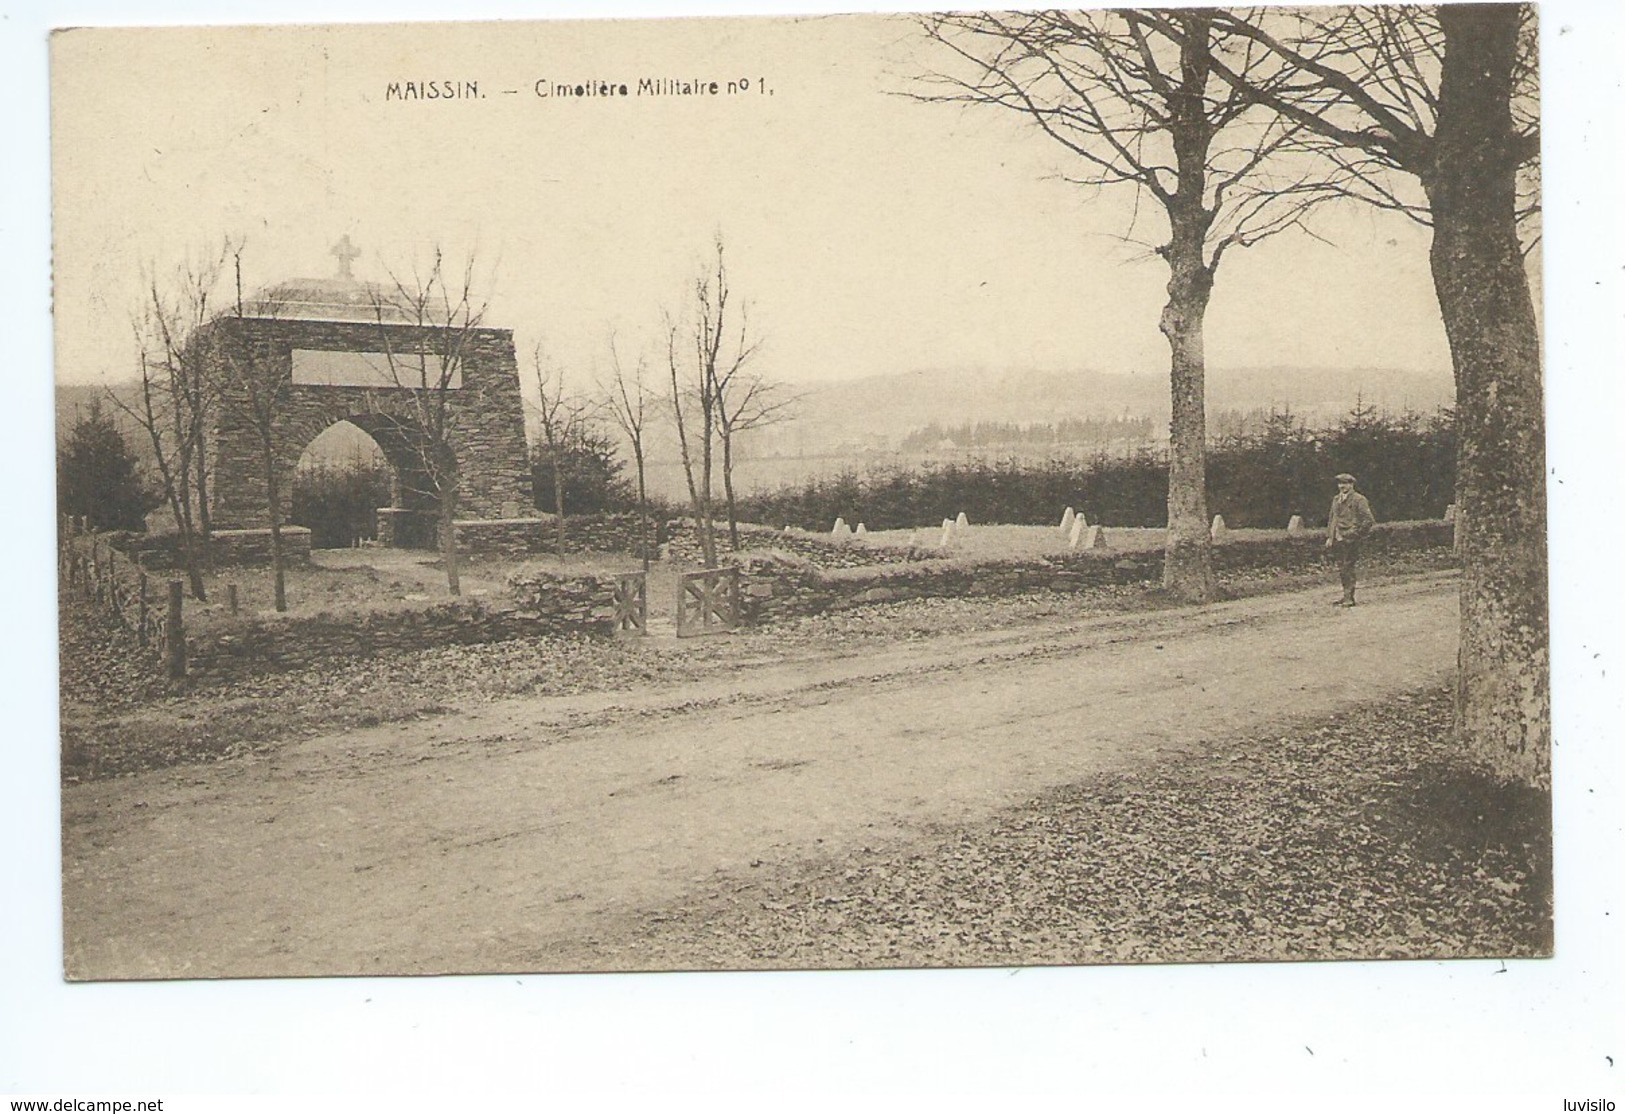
[
  {"x": 1359, "y": 837},
  {"x": 355, "y": 581}
]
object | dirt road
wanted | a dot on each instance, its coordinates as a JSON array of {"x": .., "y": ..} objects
[{"x": 523, "y": 836}]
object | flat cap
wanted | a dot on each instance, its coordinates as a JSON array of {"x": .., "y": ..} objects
[{"x": 1344, "y": 478}]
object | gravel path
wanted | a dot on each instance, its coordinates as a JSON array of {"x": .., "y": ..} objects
[{"x": 611, "y": 831}]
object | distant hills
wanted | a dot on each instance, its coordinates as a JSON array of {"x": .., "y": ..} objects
[
  {"x": 878, "y": 412},
  {"x": 881, "y": 410}
]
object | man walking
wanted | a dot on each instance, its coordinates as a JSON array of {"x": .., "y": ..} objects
[{"x": 1347, "y": 525}]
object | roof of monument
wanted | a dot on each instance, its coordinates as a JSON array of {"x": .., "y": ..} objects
[{"x": 326, "y": 299}]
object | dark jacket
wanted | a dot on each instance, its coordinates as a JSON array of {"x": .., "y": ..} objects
[{"x": 1350, "y": 518}]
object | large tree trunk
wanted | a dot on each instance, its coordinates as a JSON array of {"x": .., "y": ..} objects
[
  {"x": 1187, "y": 570},
  {"x": 1188, "y": 562},
  {"x": 1503, "y": 695}
]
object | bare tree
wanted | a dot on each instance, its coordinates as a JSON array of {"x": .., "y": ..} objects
[
  {"x": 179, "y": 388},
  {"x": 426, "y": 322},
  {"x": 561, "y": 417},
  {"x": 254, "y": 388},
  {"x": 696, "y": 380},
  {"x": 627, "y": 398},
  {"x": 1445, "y": 99},
  {"x": 1134, "y": 97},
  {"x": 745, "y": 401}
]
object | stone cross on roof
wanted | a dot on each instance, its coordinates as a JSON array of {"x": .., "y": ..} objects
[{"x": 347, "y": 253}]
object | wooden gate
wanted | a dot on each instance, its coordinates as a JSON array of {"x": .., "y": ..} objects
[
  {"x": 708, "y": 602},
  {"x": 632, "y": 603}
]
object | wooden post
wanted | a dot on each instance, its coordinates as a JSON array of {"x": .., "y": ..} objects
[
  {"x": 141, "y": 607},
  {"x": 231, "y": 598},
  {"x": 174, "y": 634}
]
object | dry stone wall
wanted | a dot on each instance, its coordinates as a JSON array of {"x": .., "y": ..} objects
[
  {"x": 227, "y": 548},
  {"x": 777, "y": 586},
  {"x": 774, "y": 586},
  {"x": 541, "y": 606},
  {"x": 583, "y": 603},
  {"x": 521, "y": 537},
  {"x": 602, "y": 533},
  {"x": 683, "y": 544}
]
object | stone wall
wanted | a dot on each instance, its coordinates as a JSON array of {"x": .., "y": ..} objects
[
  {"x": 512, "y": 538},
  {"x": 683, "y": 544},
  {"x": 517, "y": 538},
  {"x": 604, "y": 533},
  {"x": 781, "y": 586},
  {"x": 542, "y": 606},
  {"x": 774, "y": 586},
  {"x": 228, "y": 548},
  {"x": 585, "y": 603}
]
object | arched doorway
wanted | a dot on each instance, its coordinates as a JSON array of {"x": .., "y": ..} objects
[
  {"x": 360, "y": 478},
  {"x": 342, "y": 478}
]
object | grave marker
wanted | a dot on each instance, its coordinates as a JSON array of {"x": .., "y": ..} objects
[
  {"x": 961, "y": 521},
  {"x": 1218, "y": 530},
  {"x": 1294, "y": 528},
  {"x": 1066, "y": 519}
]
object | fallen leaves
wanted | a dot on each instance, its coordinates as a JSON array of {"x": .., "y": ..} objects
[{"x": 1360, "y": 838}]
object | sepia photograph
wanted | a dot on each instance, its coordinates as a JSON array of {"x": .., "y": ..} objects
[{"x": 804, "y": 493}]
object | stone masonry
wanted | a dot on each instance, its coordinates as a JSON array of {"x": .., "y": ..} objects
[{"x": 486, "y": 428}]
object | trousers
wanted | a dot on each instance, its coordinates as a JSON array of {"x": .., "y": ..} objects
[{"x": 1347, "y": 556}]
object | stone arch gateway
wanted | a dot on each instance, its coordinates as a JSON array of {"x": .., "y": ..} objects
[{"x": 320, "y": 344}]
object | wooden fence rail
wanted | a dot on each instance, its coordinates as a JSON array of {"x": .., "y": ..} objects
[
  {"x": 119, "y": 585},
  {"x": 708, "y": 602},
  {"x": 632, "y": 603}
]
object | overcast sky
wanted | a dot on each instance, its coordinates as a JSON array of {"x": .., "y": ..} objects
[{"x": 870, "y": 232}]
